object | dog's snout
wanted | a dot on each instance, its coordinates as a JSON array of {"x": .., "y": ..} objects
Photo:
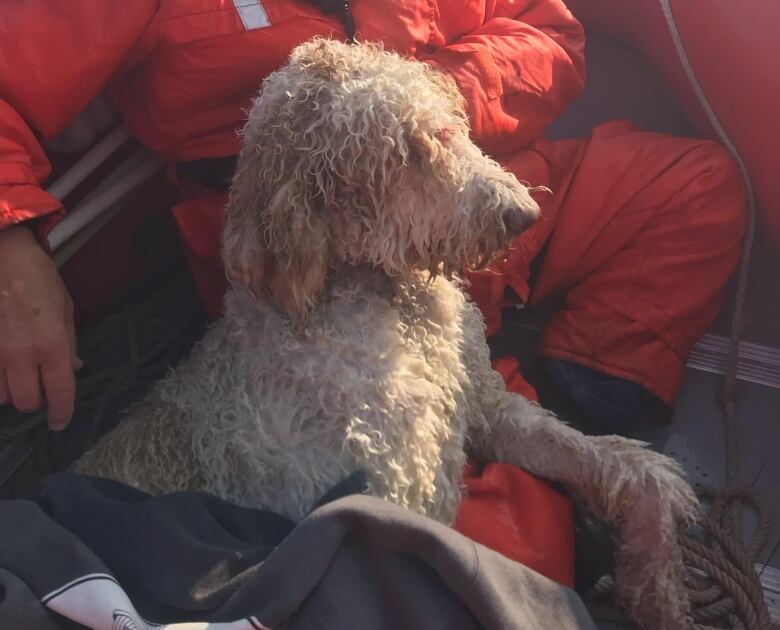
[{"x": 517, "y": 220}]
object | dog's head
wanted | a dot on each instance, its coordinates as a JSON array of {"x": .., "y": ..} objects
[{"x": 353, "y": 155}]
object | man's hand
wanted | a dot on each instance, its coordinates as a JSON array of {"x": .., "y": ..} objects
[{"x": 37, "y": 334}]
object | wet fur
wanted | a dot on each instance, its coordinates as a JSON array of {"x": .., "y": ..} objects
[{"x": 346, "y": 344}]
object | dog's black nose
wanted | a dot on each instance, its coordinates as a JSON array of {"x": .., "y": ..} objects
[{"x": 516, "y": 220}]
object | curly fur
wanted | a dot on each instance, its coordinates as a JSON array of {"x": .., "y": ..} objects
[{"x": 357, "y": 195}]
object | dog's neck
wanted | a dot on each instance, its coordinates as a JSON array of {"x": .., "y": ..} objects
[
  {"x": 344, "y": 283},
  {"x": 380, "y": 282}
]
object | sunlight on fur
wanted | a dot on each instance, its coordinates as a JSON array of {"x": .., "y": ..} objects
[{"x": 347, "y": 342}]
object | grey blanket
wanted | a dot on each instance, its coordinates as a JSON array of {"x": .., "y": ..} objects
[{"x": 87, "y": 553}]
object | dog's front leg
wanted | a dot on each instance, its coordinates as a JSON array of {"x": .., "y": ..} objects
[{"x": 640, "y": 492}]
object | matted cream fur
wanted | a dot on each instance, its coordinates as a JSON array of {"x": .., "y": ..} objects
[{"x": 357, "y": 196}]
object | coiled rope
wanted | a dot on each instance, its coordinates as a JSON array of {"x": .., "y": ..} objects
[{"x": 724, "y": 585}]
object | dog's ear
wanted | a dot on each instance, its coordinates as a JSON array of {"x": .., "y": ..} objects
[
  {"x": 244, "y": 251},
  {"x": 275, "y": 239},
  {"x": 295, "y": 286},
  {"x": 299, "y": 161},
  {"x": 296, "y": 269}
]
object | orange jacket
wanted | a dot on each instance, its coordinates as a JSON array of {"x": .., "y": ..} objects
[{"x": 181, "y": 72}]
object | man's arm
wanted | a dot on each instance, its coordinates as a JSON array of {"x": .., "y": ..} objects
[{"x": 54, "y": 59}]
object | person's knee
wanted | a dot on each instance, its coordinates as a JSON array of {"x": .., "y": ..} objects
[
  {"x": 716, "y": 177},
  {"x": 606, "y": 399},
  {"x": 714, "y": 160}
]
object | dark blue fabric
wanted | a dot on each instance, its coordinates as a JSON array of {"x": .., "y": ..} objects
[{"x": 608, "y": 405}]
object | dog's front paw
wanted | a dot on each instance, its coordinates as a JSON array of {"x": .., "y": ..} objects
[
  {"x": 651, "y": 500},
  {"x": 632, "y": 471}
]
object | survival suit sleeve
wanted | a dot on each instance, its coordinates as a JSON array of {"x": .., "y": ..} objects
[{"x": 54, "y": 59}]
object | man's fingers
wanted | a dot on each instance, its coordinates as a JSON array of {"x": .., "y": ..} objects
[
  {"x": 5, "y": 397},
  {"x": 59, "y": 385},
  {"x": 24, "y": 387}
]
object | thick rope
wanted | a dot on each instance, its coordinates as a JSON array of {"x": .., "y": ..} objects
[{"x": 724, "y": 586}]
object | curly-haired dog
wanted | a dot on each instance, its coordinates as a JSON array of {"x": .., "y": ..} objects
[{"x": 357, "y": 195}]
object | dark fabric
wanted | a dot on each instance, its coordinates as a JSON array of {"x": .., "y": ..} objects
[
  {"x": 608, "y": 404},
  {"x": 20, "y": 609},
  {"x": 357, "y": 562},
  {"x": 212, "y": 173},
  {"x": 345, "y": 14}
]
